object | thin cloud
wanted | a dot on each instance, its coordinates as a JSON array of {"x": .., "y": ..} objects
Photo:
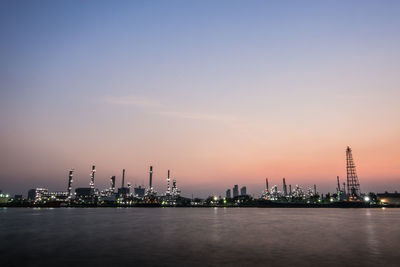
[
  {"x": 137, "y": 101},
  {"x": 196, "y": 116},
  {"x": 151, "y": 106},
  {"x": 155, "y": 107}
]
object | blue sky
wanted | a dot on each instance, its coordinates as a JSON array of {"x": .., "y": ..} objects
[{"x": 223, "y": 92}]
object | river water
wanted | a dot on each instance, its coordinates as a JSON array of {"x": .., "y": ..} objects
[{"x": 199, "y": 237}]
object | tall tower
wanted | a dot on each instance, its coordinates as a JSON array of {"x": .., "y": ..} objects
[
  {"x": 71, "y": 174},
  {"x": 168, "y": 185},
  {"x": 123, "y": 178},
  {"x": 228, "y": 193},
  {"x": 151, "y": 178},
  {"x": 266, "y": 184},
  {"x": 175, "y": 191},
  {"x": 235, "y": 190},
  {"x": 284, "y": 187},
  {"x": 92, "y": 177},
  {"x": 112, "y": 184},
  {"x": 353, "y": 186}
]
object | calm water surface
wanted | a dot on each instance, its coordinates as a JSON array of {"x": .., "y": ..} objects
[{"x": 199, "y": 237}]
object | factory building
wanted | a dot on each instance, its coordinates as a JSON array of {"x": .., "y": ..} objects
[
  {"x": 38, "y": 194},
  {"x": 4, "y": 198},
  {"x": 123, "y": 191},
  {"x": 42, "y": 195},
  {"x": 85, "y": 195},
  {"x": 139, "y": 191}
]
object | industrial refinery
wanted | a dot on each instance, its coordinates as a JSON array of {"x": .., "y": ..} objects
[{"x": 347, "y": 194}]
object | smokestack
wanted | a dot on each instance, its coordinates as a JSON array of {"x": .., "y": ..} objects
[
  {"x": 123, "y": 178},
  {"x": 168, "y": 184},
  {"x": 266, "y": 184},
  {"x": 71, "y": 174},
  {"x": 112, "y": 183},
  {"x": 284, "y": 187},
  {"x": 151, "y": 177},
  {"x": 315, "y": 190},
  {"x": 290, "y": 189},
  {"x": 92, "y": 177},
  {"x": 338, "y": 184}
]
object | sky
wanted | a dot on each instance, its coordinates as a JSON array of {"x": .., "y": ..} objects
[{"x": 219, "y": 92}]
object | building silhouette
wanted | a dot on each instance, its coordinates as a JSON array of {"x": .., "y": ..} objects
[
  {"x": 243, "y": 191},
  {"x": 235, "y": 190},
  {"x": 228, "y": 193}
]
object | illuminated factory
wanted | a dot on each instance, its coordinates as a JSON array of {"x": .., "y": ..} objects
[
  {"x": 172, "y": 194},
  {"x": 87, "y": 195},
  {"x": 346, "y": 194},
  {"x": 123, "y": 191}
]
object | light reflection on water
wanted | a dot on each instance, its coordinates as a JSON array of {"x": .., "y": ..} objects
[{"x": 200, "y": 237}]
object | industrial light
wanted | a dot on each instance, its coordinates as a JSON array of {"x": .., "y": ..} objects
[{"x": 366, "y": 199}]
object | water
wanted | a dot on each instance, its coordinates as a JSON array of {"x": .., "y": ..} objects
[{"x": 199, "y": 237}]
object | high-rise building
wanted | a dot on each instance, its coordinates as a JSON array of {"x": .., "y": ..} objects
[
  {"x": 235, "y": 190},
  {"x": 243, "y": 191},
  {"x": 228, "y": 193}
]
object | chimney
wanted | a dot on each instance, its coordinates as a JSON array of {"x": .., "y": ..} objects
[
  {"x": 151, "y": 177},
  {"x": 123, "y": 178}
]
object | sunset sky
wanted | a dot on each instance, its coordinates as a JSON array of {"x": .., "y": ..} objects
[{"x": 219, "y": 92}]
